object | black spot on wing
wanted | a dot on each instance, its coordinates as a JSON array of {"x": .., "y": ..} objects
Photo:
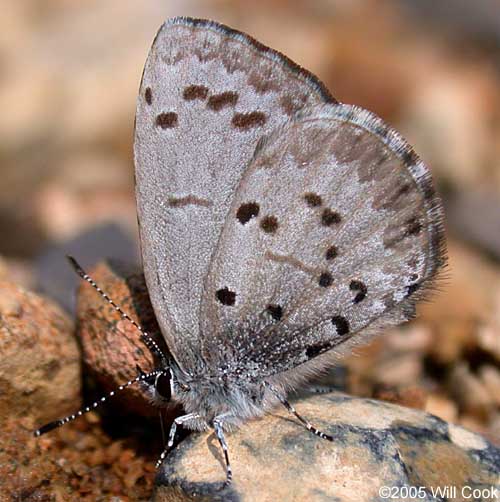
[
  {"x": 341, "y": 324},
  {"x": 312, "y": 199},
  {"x": 331, "y": 253},
  {"x": 269, "y": 224},
  {"x": 148, "y": 95},
  {"x": 245, "y": 121},
  {"x": 193, "y": 92},
  {"x": 329, "y": 217},
  {"x": 225, "y": 296},
  {"x": 219, "y": 101},
  {"x": 325, "y": 279},
  {"x": 247, "y": 211},
  {"x": 167, "y": 120}
]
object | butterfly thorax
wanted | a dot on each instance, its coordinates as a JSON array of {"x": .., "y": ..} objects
[{"x": 213, "y": 395}]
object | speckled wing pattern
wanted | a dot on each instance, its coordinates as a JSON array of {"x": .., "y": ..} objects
[
  {"x": 335, "y": 230},
  {"x": 207, "y": 95}
]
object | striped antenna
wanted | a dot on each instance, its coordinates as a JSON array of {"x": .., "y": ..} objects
[
  {"x": 145, "y": 337},
  {"x": 57, "y": 423}
]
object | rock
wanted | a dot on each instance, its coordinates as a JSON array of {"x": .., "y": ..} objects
[
  {"x": 39, "y": 357},
  {"x": 39, "y": 382},
  {"x": 412, "y": 337},
  {"x": 76, "y": 463},
  {"x": 470, "y": 392},
  {"x": 375, "y": 444},
  {"x": 451, "y": 339},
  {"x": 401, "y": 369},
  {"x": 442, "y": 407},
  {"x": 490, "y": 376},
  {"x": 466, "y": 290},
  {"x": 494, "y": 428},
  {"x": 488, "y": 334},
  {"x": 489, "y": 340},
  {"x": 18, "y": 271},
  {"x": 411, "y": 397},
  {"x": 112, "y": 346}
]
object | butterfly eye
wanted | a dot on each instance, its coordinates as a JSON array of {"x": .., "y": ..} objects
[{"x": 162, "y": 385}]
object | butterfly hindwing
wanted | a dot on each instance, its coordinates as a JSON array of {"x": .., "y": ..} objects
[{"x": 334, "y": 228}]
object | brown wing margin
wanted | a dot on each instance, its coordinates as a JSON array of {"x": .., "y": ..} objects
[{"x": 272, "y": 54}]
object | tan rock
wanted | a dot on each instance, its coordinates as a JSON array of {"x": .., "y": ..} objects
[
  {"x": 489, "y": 340},
  {"x": 470, "y": 392},
  {"x": 411, "y": 397},
  {"x": 490, "y": 376},
  {"x": 112, "y": 346},
  {"x": 375, "y": 444},
  {"x": 451, "y": 338},
  {"x": 412, "y": 337},
  {"x": 39, "y": 357},
  {"x": 494, "y": 429},
  {"x": 442, "y": 407},
  {"x": 399, "y": 369},
  {"x": 465, "y": 291}
]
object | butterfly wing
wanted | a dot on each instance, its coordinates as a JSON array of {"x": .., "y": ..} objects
[
  {"x": 207, "y": 95},
  {"x": 334, "y": 228}
]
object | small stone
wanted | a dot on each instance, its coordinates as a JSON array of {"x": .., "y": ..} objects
[
  {"x": 18, "y": 271},
  {"x": 39, "y": 382},
  {"x": 442, "y": 407},
  {"x": 39, "y": 357},
  {"x": 493, "y": 433},
  {"x": 470, "y": 392},
  {"x": 93, "y": 417},
  {"x": 451, "y": 338},
  {"x": 490, "y": 377},
  {"x": 112, "y": 346},
  {"x": 488, "y": 339},
  {"x": 472, "y": 423},
  {"x": 414, "y": 337},
  {"x": 412, "y": 397},
  {"x": 399, "y": 369}
]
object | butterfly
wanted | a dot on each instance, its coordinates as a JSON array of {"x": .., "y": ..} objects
[{"x": 278, "y": 227}]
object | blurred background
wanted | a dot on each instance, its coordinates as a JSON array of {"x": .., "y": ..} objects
[{"x": 69, "y": 74}]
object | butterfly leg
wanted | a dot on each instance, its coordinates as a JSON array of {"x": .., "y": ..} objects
[
  {"x": 171, "y": 435},
  {"x": 219, "y": 432},
  {"x": 292, "y": 410}
]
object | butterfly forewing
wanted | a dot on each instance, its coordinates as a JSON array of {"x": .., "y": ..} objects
[
  {"x": 334, "y": 228},
  {"x": 208, "y": 94}
]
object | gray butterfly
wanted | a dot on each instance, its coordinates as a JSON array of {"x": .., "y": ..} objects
[{"x": 278, "y": 227}]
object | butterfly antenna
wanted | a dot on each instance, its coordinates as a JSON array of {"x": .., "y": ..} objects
[
  {"x": 146, "y": 337},
  {"x": 57, "y": 423}
]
